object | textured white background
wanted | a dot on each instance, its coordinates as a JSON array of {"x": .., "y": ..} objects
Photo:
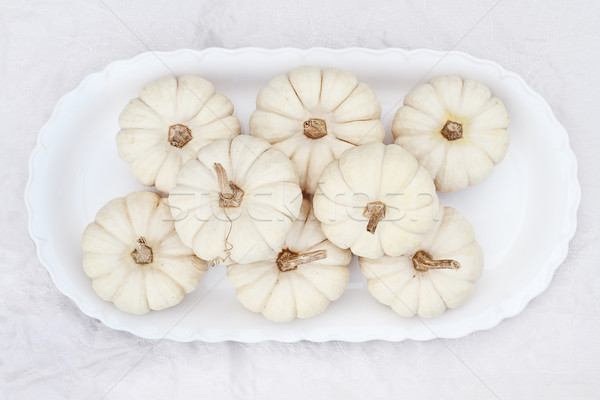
[{"x": 49, "y": 349}]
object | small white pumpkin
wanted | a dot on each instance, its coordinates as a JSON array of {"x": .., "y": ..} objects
[
  {"x": 455, "y": 128},
  {"x": 236, "y": 201},
  {"x": 314, "y": 115},
  {"x": 134, "y": 256},
  {"x": 166, "y": 126},
  {"x": 376, "y": 200},
  {"x": 299, "y": 279},
  {"x": 439, "y": 274}
]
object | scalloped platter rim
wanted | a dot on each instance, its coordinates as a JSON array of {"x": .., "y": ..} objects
[{"x": 75, "y": 169}]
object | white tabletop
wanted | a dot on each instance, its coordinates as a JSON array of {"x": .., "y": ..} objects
[{"x": 49, "y": 348}]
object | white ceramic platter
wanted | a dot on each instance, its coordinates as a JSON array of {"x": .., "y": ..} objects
[{"x": 524, "y": 215}]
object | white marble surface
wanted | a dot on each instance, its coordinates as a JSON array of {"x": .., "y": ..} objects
[{"x": 49, "y": 349}]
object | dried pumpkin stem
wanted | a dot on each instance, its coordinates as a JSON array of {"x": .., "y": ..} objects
[
  {"x": 231, "y": 195},
  {"x": 179, "y": 135},
  {"x": 226, "y": 190},
  {"x": 315, "y": 128},
  {"x": 423, "y": 262},
  {"x": 375, "y": 211},
  {"x": 142, "y": 254},
  {"x": 289, "y": 260},
  {"x": 452, "y": 130}
]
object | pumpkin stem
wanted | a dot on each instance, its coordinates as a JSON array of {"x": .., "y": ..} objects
[
  {"x": 375, "y": 211},
  {"x": 423, "y": 262},
  {"x": 452, "y": 130},
  {"x": 315, "y": 128},
  {"x": 231, "y": 195},
  {"x": 179, "y": 135},
  {"x": 142, "y": 254},
  {"x": 288, "y": 260}
]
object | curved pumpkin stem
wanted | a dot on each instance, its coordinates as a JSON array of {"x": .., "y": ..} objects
[
  {"x": 423, "y": 262},
  {"x": 288, "y": 260},
  {"x": 375, "y": 211},
  {"x": 231, "y": 195}
]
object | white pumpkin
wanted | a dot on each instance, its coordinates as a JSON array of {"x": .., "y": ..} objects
[
  {"x": 134, "y": 256},
  {"x": 314, "y": 115},
  {"x": 166, "y": 126},
  {"x": 455, "y": 128},
  {"x": 437, "y": 275},
  {"x": 376, "y": 200},
  {"x": 299, "y": 279},
  {"x": 236, "y": 201}
]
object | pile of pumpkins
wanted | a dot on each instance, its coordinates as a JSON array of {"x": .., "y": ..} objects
[{"x": 285, "y": 207}]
